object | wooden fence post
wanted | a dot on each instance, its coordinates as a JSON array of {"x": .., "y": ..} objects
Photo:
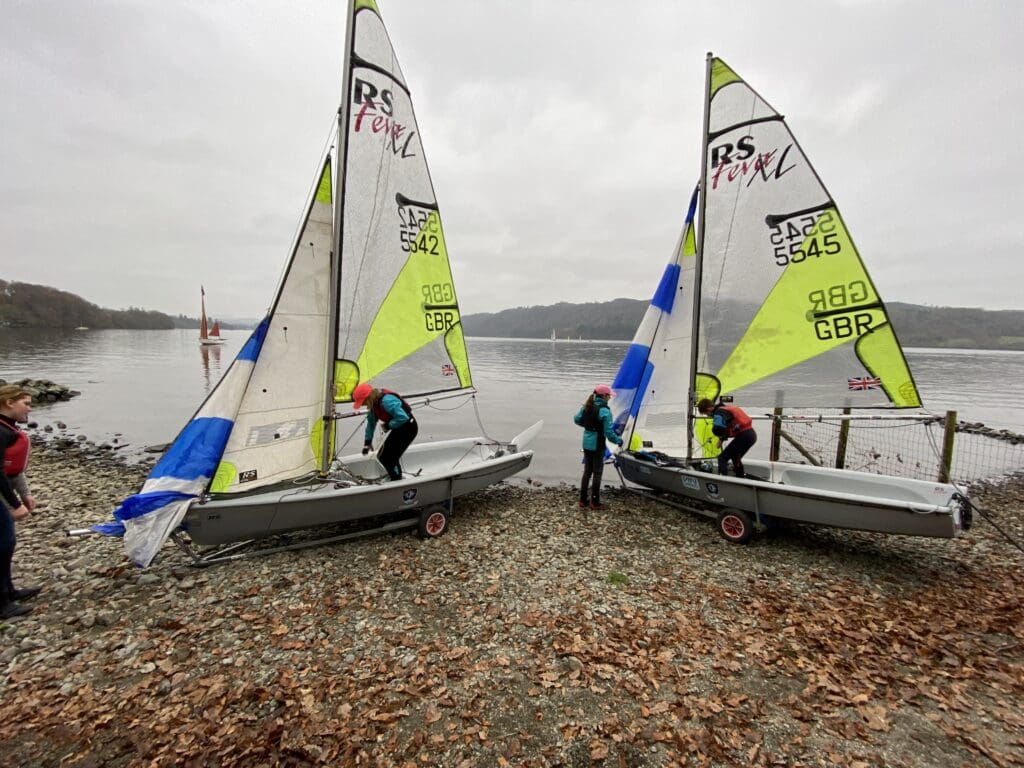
[
  {"x": 844, "y": 434},
  {"x": 773, "y": 451},
  {"x": 946, "y": 468}
]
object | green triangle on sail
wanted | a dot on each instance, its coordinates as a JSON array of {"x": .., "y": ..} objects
[
  {"x": 419, "y": 309},
  {"x": 827, "y": 276},
  {"x": 721, "y": 75},
  {"x": 323, "y": 189},
  {"x": 689, "y": 241}
]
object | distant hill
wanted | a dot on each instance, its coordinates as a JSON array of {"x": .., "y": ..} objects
[
  {"x": 39, "y": 306},
  {"x": 916, "y": 326}
]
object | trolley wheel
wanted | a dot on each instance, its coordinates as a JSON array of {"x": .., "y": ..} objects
[
  {"x": 735, "y": 525},
  {"x": 433, "y": 521}
]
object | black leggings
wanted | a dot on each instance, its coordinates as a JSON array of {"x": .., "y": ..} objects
[
  {"x": 593, "y": 467},
  {"x": 395, "y": 443},
  {"x": 7, "y": 541},
  {"x": 735, "y": 451}
]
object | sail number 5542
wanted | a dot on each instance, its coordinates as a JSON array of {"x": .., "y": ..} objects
[
  {"x": 418, "y": 231},
  {"x": 797, "y": 240}
]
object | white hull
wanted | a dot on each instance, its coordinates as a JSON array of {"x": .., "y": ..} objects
[
  {"x": 434, "y": 473},
  {"x": 818, "y": 495}
]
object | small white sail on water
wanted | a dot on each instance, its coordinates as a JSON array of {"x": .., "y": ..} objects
[{"x": 384, "y": 311}]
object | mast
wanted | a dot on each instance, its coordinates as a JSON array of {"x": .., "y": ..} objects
[
  {"x": 202, "y": 317},
  {"x": 341, "y": 158},
  {"x": 699, "y": 262}
]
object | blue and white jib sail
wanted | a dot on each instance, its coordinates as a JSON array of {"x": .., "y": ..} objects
[
  {"x": 147, "y": 518},
  {"x": 651, "y": 394},
  {"x": 263, "y": 422}
]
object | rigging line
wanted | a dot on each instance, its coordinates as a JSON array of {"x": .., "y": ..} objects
[
  {"x": 359, "y": 425},
  {"x": 990, "y": 521},
  {"x": 304, "y": 216},
  {"x": 479, "y": 421},
  {"x": 463, "y": 404}
]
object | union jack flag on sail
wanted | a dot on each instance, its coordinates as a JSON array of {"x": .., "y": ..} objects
[
  {"x": 864, "y": 382},
  {"x": 447, "y": 370}
]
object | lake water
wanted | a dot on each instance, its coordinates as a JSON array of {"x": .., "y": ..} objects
[{"x": 142, "y": 386}]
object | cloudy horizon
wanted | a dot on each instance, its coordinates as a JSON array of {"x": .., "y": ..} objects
[{"x": 153, "y": 148}]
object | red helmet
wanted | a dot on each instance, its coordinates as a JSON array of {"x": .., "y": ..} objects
[
  {"x": 603, "y": 390},
  {"x": 360, "y": 393}
]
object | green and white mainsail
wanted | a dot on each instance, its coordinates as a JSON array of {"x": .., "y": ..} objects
[
  {"x": 787, "y": 313},
  {"x": 398, "y": 321}
]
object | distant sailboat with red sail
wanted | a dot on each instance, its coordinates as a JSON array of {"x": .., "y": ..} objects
[{"x": 207, "y": 335}]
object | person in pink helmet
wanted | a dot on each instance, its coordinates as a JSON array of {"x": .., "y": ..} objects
[
  {"x": 395, "y": 416},
  {"x": 596, "y": 419}
]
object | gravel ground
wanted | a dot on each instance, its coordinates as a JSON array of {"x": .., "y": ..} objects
[{"x": 531, "y": 634}]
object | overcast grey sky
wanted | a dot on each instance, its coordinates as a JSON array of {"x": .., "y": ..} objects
[{"x": 149, "y": 147}]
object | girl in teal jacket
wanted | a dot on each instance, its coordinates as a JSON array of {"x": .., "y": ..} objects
[{"x": 596, "y": 419}]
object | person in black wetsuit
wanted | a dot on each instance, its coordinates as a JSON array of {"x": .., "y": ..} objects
[
  {"x": 16, "y": 503},
  {"x": 730, "y": 422},
  {"x": 395, "y": 415}
]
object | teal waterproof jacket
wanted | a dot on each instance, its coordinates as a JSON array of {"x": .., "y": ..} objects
[
  {"x": 393, "y": 408},
  {"x": 593, "y": 439}
]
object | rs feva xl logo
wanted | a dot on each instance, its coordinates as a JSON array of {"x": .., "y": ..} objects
[
  {"x": 374, "y": 111},
  {"x": 731, "y": 162}
]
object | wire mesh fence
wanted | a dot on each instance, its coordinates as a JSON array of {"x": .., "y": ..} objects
[{"x": 921, "y": 446}]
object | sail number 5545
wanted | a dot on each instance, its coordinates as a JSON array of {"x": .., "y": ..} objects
[{"x": 809, "y": 236}]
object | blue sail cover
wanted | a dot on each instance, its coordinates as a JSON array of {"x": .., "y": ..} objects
[
  {"x": 667, "y": 317},
  {"x": 185, "y": 470}
]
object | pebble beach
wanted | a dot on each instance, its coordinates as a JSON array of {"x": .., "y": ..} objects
[{"x": 532, "y": 633}]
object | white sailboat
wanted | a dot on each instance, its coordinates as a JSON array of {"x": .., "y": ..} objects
[
  {"x": 258, "y": 457},
  {"x": 765, "y": 288}
]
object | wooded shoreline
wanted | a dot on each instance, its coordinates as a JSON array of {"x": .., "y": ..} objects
[{"x": 34, "y": 306}]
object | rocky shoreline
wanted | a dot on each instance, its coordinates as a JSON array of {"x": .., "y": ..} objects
[
  {"x": 532, "y": 634},
  {"x": 44, "y": 390}
]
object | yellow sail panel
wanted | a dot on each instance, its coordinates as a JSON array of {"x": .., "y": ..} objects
[
  {"x": 323, "y": 189},
  {"x": 721, "y": 75},
  {"x": 881, "y": 354},
  {"x": 689, "y": 241},
  {"x": 346, "y": 377},
  {"x": 455, "y": 344},
  {"x": 824, "y": 299},
  {"x": 419, "y": 309}
]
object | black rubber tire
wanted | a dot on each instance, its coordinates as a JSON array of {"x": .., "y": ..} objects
[
  {"x": 433, "y": 522},
  {"x": 735, "y": 525}
]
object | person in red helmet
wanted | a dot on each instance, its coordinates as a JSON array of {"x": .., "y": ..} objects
[
  {"x": 730, "y": 422},
  {"x": 395, "y": 416},
  {"x": 596, "y": 419}
]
